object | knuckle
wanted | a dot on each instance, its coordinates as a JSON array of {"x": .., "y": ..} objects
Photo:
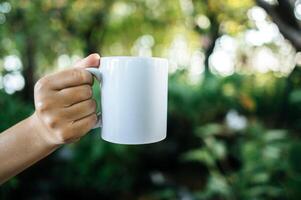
[
  {"x": 79, "y": 96},
  {"x": 41, "y": 84},
  {"x": 76, "y": 73},
  {"x": 62, "y": 135},
  {"x": 87, "y": 91},
  {"x": 81, "y": 75},
  {"x": 92, "y": 120},
  {"x": 43, "y": 106},
  {"x": 51, "y": 122},
  {"x": 92, "y": 104},
  {"x": 90, "y": 123}
]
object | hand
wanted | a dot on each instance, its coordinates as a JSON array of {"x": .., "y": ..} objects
[{"x": 65, "y": 110}]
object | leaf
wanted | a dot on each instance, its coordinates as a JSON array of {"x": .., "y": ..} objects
[
  {"x": 218, "y": 184},
  {"x": 217, "y": 148},
  {"x": 261, "y": 177},
  {"x": 201, "y": 155},
  {"x": 208, "y": 130},
  {"x": 274, "y": 135}
]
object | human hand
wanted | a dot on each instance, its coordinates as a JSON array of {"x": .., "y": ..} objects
[{"x": 65, "y": 110}]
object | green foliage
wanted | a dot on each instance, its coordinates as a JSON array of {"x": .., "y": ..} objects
[
  {"x": 262, "y": 155},
  {"x": 13, "y": 110},
  {"x": 267, "y": 157},
  {"x": 206, "y": 155}
]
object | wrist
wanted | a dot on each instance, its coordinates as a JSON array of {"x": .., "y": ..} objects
[{"x": 41, "y": 133}]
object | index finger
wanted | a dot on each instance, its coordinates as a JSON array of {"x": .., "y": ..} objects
[
  {"x": 69, "y": 78},
  {"x": 76, "y": 76}
]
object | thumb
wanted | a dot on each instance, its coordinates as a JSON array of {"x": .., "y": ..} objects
[{"x": 90, "y": 61}]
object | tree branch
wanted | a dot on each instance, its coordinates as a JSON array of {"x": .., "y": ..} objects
[
  {"x": 285, "y": 9},
  {"x": 289, "y": 30}
]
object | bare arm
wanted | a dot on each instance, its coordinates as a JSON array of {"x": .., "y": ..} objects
[
  {"x": 65, "y": 111},
  {"x": 20, "y": 147}
]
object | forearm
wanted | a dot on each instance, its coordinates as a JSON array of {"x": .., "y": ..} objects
[
  {"x": 20, "y": 147},
  {"x": 65, "y": 111}
]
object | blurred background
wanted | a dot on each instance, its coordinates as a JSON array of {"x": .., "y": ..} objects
[{"x": 234, "y": 116}]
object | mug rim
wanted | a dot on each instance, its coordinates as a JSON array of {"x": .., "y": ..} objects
[{"x": 134, "y": 57}]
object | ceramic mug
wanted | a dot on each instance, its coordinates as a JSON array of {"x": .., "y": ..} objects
[{"x": 133, "y": 99}]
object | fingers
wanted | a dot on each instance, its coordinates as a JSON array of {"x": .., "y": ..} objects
[
  {"x": 72, "y": 95},
  {"x": 90, "y": 61},
  {"x": 75, "y": 76},
  {"x": 69, "y": 78},
  {"x": 63, "y": 102},
  {"x": 79, "y": 110},
  {"x": 82, "y": 126}
]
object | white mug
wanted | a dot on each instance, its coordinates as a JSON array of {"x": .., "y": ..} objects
[{"x": 133, "y": 99}]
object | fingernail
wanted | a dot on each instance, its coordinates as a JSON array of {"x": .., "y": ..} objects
[{"x": 96, "y": 55}]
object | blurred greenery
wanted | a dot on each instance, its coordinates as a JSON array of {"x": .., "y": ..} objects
[{"x": 234, "y": 97}]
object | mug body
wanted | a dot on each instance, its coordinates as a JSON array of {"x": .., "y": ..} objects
[{"x": 134, "y": 99}]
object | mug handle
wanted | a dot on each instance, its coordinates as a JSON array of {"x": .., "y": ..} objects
[{"x": 97, "y": 74}]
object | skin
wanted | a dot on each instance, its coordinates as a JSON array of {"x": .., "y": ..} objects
[{"x": 64, "y": 112}]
